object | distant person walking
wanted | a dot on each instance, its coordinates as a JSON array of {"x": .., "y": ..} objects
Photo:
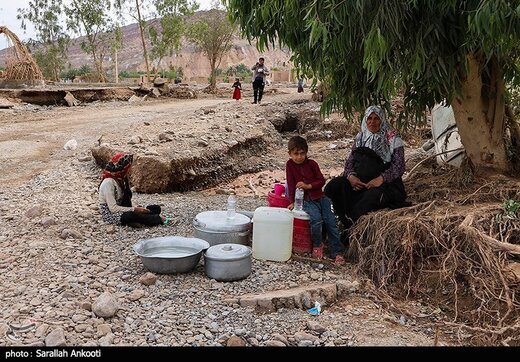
[
  {"x": 238, "y": 88},
  {"x": 260, "y": 73},
  {"x": 300, "y": 85}
]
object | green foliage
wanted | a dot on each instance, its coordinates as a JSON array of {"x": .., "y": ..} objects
[
  {"x": 367, "y": 51},
  {"x": 93, "y": 20},
  {"x": 76, "y": 72},
  {"x": 50, "y": 46},
  {"x": 241, "y": 71},
  {"x": 166, "y": 36},
  {"x": 511, "y": 208},
  {"x": 131, "y": 74},
  {"x": 212, "y": 33}
]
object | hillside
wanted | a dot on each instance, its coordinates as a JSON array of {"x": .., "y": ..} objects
[{"x": 193, "y": 62}]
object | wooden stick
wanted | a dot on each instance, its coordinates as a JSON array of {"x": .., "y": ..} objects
[
  {"x": 494, "y": 243},
  {"x": 428, "y": 158}
]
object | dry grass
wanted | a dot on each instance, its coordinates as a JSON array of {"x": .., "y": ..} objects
[{"x": 456, "y": 251}]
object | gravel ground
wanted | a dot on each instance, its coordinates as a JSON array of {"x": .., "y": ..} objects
[{"x": 57, "y": 258}]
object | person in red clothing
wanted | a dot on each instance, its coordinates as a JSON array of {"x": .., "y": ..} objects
[
  {"x": 238, "y": 88},
  {"x": 304, "y": 173}
]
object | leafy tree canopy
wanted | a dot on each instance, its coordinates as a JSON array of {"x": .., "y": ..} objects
[{"x": 369, "y": 50}]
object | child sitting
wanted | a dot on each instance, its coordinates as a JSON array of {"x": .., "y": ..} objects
[{"x": 304, "y": 173}]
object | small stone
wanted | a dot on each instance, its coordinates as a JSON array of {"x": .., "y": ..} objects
[
  {"x": 136, "y": 295},
  {"x": 41, "y": 330},
  {"x": 305, "y": 343},
  {"x": 302, "y": 336},
  {"x": 275, "y": 343},
  {"x": 34, "y": 211},
  {"x": 235, "y": 341},
  {"x": 217, "y": 286},
  {"x": 85, "y": 305},
  {"x": 315, "y": 276},
  {"x": 106, "y": 340},
  {"x": 48, "y": 221},
  {"x": 105, "y": 305},
  {"x": 240, "y": 331},
  {"x": 55, "y": 338},
  {"x": 134, "y": 140},
  {"x": 148, "y": 279},
  {"x": 66, "y": 233},
  {"x": 164, "y": 137},
  {"x": 103, "y": 329},
  {"x": 279, "y": 337},
  {"x": 315, "y": 327}
]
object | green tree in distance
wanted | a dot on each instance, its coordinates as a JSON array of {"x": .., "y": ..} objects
[
  {"x": 368, "y": 51},
  {"x": 212, "y": 33},
  {"x": 50, "y": 46},
  {"x": 167, "y": 37},
  {"x": 92, "y": 18}
]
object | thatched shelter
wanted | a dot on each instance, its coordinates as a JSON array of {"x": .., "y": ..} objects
[{"x": 20, "y": 64}]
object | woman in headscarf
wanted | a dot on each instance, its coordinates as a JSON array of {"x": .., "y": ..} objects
[
  {"x": 373, "y": 170},
  {"x": 115, "y": 196}
]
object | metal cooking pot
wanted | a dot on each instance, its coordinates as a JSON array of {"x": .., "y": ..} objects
[
  {"x": 216, "y": 228},
  {"x": 170, "y": 254},
  {"x": 228, "y": 262}
]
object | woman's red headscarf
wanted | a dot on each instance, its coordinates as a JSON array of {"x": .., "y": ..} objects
[{"x": 118, "y": 166}]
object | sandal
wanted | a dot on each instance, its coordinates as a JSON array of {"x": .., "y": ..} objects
[
  {"x": 317, "y": 252},
  {"x": 339, "y": 260}
]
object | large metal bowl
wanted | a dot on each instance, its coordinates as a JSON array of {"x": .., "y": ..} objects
[{"x": 170, "y": 254}]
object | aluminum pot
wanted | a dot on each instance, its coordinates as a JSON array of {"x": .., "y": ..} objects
[
  {"x": 216, "y": 228},
  {"x": 170, "y": 254},
  {"x": 228, "y": 262}
]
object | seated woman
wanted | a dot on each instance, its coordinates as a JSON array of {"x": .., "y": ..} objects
[
  {"x": 372, "y": 176},
  {"x": 115, "y": 196}
]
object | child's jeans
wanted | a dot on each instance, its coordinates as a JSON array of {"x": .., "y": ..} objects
[{"x": 320, "y": 213}]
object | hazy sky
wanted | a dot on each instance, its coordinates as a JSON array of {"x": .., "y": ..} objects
[{"x": 9, "y": 11}]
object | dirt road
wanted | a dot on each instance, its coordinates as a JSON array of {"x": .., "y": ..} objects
[{"x": 32, "y": 138}]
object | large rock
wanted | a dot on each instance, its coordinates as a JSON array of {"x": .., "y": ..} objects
[{"x": 189, "y": 166}]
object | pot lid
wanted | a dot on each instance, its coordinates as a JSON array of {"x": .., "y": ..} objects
[
  {"x": 228, "y": 252},
  {"x": 218, "y": 221}
]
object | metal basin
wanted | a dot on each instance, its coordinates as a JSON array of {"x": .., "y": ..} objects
[{"x": 170, "y": 254}]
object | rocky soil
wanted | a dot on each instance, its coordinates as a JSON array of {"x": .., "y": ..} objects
[{"x": 66, "y": 278}]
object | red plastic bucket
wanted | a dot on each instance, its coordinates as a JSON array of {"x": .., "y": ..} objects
[
  {"x": 302, "y": 242},
  {"x": 277, "y": 201}
]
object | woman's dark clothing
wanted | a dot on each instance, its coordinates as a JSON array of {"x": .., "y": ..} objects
[
  {"x": 352, "y": 204},
  {"x": 151, "y": 219}
]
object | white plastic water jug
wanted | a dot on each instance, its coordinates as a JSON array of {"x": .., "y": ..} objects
[{"x": 272, "y": 233}]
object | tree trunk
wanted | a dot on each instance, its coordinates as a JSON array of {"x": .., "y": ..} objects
[
  {"x": 212, "y": 77},
  {"x": 141, "y": 29},
  {"x": 480, "y": 115}
]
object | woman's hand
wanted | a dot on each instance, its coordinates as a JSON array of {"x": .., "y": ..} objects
[
  {"x": 141, "y": 210},
  {"x": 378, "y": 181},
  {"x": 291, "y": 206},
  {"x": 303, "y": 185},
  {"x": 356, "y": 183}
]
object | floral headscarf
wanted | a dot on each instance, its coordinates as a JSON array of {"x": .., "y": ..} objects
[
  {"x": 118, "y": 167},
  {"x": 384, "y": 141}
]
